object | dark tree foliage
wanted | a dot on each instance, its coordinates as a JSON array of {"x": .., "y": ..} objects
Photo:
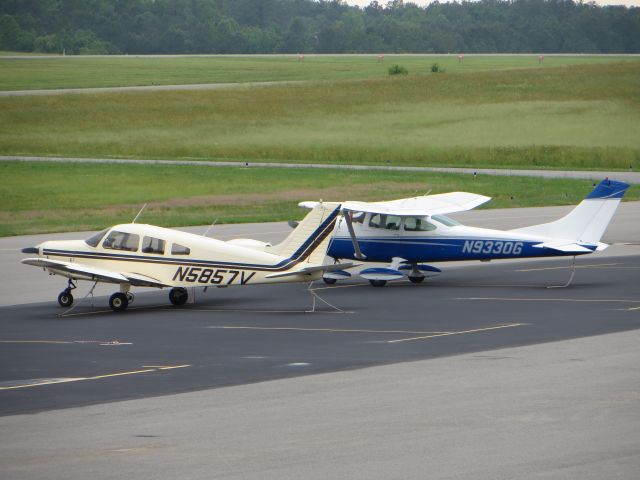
[{"x": 316, "y": 26}]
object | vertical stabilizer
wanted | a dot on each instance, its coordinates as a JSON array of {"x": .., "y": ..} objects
[
  {"x": 587, "y": 222},
  {"x": 308, "y": 242}
]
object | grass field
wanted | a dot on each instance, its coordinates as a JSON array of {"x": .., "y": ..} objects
[
  {"x": 110, "y": 71},
  {"x": 504, "y": 111},
  {"x": 570, "y": 117},
  {"x": 48, "y": 197}
]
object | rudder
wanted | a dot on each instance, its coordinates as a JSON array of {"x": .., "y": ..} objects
[{"x": 587, "y": 222}]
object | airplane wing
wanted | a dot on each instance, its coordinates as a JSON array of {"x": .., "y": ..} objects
[
  {"x": 441, "y": 203},
  {"x": 313, "y": 269},
  {"x": 80, "y": 271}
]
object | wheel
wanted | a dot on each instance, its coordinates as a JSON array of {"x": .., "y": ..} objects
[
  {"x": 65, "y": 299},
  {"x": 130, "y": 297},
  {"x": 416, "y": 279},
  {"x": 178, "y": 296},
  {"x": 118, "y": 302},
  {"x": 329, "y": 281},
  {"x": 378, "y": 283}
]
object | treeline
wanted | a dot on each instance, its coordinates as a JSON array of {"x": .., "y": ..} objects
[{"x": 315, "y": 26}]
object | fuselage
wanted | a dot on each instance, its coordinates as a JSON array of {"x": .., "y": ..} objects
[
  {"x": 433, "y": 238},
  {"x": 170, "y": 257}
]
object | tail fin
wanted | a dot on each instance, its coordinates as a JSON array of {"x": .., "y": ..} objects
[
  {"x": 308, "y": 242},
  {"x": 587, "y": 222}
]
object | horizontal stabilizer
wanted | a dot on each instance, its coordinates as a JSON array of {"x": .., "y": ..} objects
[
  {"x": 565, "y": 247},
  {"x": 313, "y": 269}
]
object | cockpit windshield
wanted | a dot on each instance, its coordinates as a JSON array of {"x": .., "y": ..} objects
[{"x": 94, "y": 240}]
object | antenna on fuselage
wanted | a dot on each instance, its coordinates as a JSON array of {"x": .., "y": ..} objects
[
  {"x": 428, "y": 192},
  {"x": 136, "y": 217},
  {"x": 210, "y": 227}
]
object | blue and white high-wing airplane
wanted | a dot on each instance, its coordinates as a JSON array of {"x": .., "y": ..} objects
[{"x": 409, "y": 233}]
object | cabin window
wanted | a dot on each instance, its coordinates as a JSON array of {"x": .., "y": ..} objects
[
  {"x": 94, "y": 240},
  {"x": 122, "y": 241},
  {"x": 449, "y": 222},
  {"x": 152, "y": 245},
  {"x": 418, "y": 224},
  {"x": 389, "y": 222},
  {"x": 177, "y": 249}
]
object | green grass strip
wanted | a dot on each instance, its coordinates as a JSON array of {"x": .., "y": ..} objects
[{"x": 44, "y": 197}]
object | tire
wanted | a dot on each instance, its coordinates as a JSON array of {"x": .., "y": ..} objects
[
  {"x": 178, "y": 296},
  {"x": 65, "y": 299},
  {"x": 118, "y": 302},
  {"x": 416, "y": 279},
  {"x": 378, "y": 283},
  {"x": 329, "y": 281}
]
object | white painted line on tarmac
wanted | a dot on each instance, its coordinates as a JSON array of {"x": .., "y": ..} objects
[
  {"x": 240, "y": 310},
  {"x": 326, "y": 330},
  {"x": 576, "y": 300},
  {"x": 568, "y": 267},
  {"x": 446, "y": 334},
  {"x": 70, "y": 342}
]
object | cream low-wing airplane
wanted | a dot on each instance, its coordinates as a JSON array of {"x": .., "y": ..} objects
[{"x": 148, "y": 256}]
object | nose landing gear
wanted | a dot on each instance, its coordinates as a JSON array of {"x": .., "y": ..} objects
[{"x": 65, "y": 299}]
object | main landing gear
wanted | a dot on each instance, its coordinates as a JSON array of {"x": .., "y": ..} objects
[
  {"x": 178, "y": 296},
  {"x": 65, "y": 299},
  {"x": 119, "y": 301}
]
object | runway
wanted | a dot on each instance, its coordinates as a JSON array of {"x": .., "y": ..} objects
[{"x": 482, "y": 372}]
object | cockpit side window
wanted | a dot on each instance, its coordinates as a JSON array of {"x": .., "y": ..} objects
[
  {"x": 121, "y": 241},
  {"x": 449, "y": 222},
  {"x": 177, "y": 249},
  {"x": 418, "y": 224},
  {"x": 153, "y": 245},
  {"x": 94, "y": 239},
  {"x": 389, "y": 222}
]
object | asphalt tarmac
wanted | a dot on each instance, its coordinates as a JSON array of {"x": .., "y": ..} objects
[
  {"x": 52, "y": 360},
  {"x": 482, "y": 372}
]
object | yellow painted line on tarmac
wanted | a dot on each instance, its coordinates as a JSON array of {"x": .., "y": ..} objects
[
  {"x": 44, "y": 382},
  {"x": 165, "y": 367},
  {"x": 95, "y": 377},
  {"x": 327, "y": 330},
  {"x": 446, "y": 334}
]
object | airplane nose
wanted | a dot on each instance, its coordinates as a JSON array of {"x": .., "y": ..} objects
[{"x": 30, "y": 250}]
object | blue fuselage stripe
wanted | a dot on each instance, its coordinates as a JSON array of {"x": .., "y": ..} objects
[{"x": 439, "y": 249}]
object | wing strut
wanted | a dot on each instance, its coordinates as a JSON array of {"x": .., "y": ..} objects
[{"x": 356, "y": 248}]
